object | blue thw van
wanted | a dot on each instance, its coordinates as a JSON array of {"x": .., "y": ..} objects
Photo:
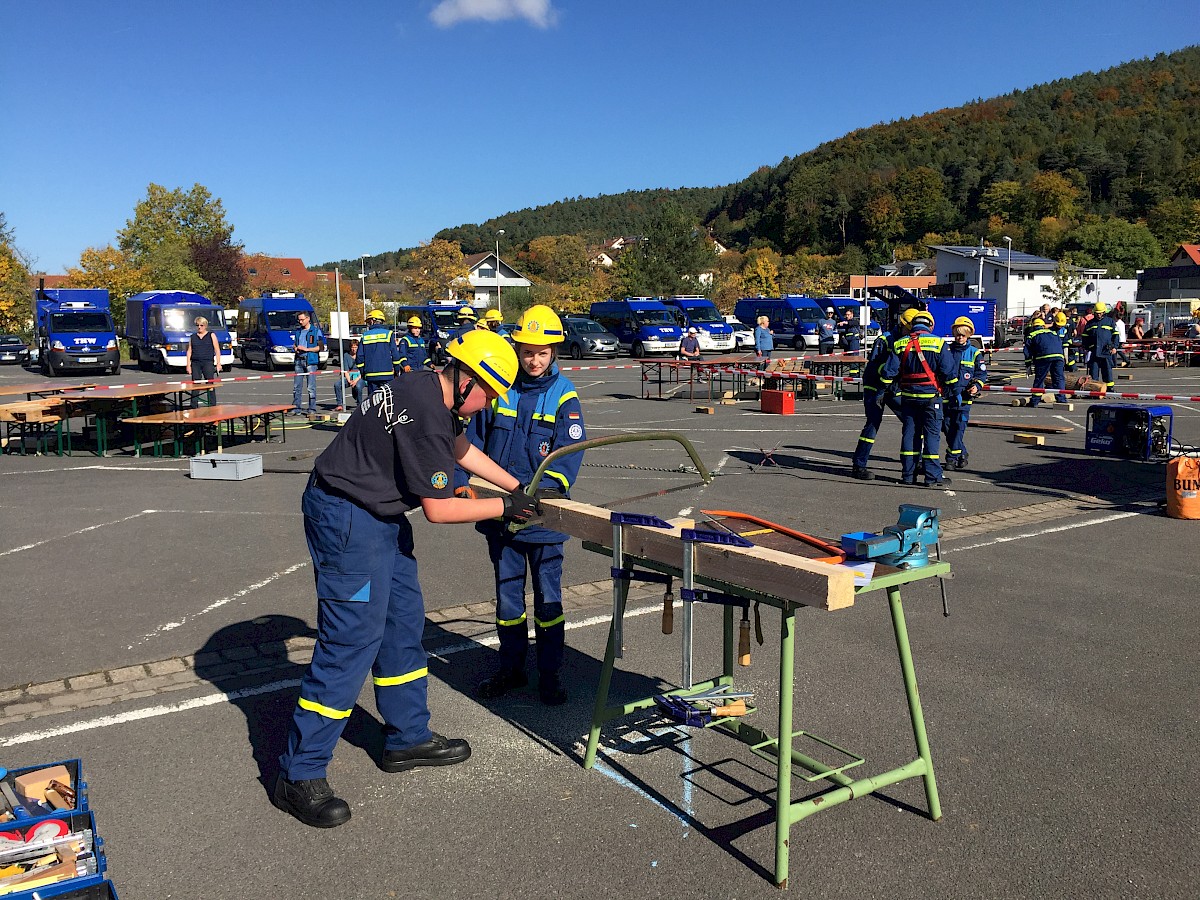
[
  {"x": 642, "y": 325},
  {"x": 793, "y": 318},
  {"x": 713, "y": 332},
  {"x": 75, "y": 331},
  {"x": 267, "y": 327},
  {"x": 159, "y": 324}
]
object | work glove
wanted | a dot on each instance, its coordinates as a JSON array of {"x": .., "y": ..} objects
[
  {"x": 466, "y": 493},
  {"x": 407, "y": 368},
  {"x": 520, "y": 508}
]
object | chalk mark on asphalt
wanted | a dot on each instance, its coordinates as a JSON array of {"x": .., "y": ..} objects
[
  {"x": 144, "y": 512},
  {"x": 171, "y": 626}
]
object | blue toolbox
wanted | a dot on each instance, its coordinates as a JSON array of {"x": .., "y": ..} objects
[
  {"x": 1129, "y": 431},
  {"x": 49, "y": 846}
]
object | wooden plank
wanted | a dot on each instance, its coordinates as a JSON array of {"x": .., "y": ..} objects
[
  {"x": 762, "y": 569},
  {"x": 1021, "y": 426},
  {"x": 1036, "y": 440},
  {"x": 708, "y": 410}
]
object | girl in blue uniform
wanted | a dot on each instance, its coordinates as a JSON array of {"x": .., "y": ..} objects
[{"x": 539, "y": 415}]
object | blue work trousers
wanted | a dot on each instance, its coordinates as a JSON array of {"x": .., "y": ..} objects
[
  {"x": 954, "y": 426},
  {"x": 305, "y": 371},
  {"x": 510, "y": 560},
  {"x": 370, "y": 616},
  {"x": 1055, "y": 370},
  {"x": 1100, "y": 369},
  {"x": 866, "y": 439},
  {"x": 922, "y": 436}
]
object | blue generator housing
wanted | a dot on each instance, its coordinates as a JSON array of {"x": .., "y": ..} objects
[{"x": 1129, "y": 431}]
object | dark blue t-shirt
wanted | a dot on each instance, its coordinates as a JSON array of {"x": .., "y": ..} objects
[{"x": 396, "y": 447}]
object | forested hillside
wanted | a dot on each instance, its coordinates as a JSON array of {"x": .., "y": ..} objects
[{"x": 1105, "y": 166}]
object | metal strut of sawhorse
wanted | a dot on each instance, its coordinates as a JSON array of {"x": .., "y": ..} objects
[
  {"x": 689, "y": 595},
  {"x": 768, "y": 458},
  {"x": 623, "y": 574}
]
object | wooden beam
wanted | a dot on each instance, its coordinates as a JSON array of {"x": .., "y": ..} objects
[{"x": 785, "y": 575}]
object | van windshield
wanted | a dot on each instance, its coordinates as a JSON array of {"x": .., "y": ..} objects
[
  {"x": 284, "y": 319},
  {"x": 654, "y": 317},
  {"x": 808, "y": 314},
  {"x": 704, "y": 315},
  {"x": 89, "y": 322},
  {"x": 183, "y": 318}
]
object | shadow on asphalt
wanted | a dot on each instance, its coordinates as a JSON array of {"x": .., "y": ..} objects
[{"x": 269, "y": 715}]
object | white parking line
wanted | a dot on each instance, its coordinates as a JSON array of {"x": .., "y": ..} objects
[
  {"x": 144, "y": 512},
  {"x": 1055, "y": 530}
]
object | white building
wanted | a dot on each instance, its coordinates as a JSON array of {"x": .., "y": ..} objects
[
  {"x": 486, "y": 281},
  {"x": 1017, "y": 281}
]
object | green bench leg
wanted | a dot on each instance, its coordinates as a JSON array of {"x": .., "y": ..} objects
[{"x": 914, "y": 701}]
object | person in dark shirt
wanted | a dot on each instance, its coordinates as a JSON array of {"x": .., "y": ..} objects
[
  {"x": 396, "y": 453},
  {"x": 203, "y": 356}
]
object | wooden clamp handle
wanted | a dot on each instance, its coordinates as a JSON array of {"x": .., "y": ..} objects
[
  {"x": 744, "y": 643},
  {"x": 668, "y": 616}
]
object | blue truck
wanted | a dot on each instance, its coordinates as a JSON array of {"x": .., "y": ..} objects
[
  {"x": 267, "y": 328},
  {"x": 713, "y": 332},
  {"x": 643, "y": 325},
  {"x": 75, "y": 331},
  {"x": 159, "y": 324}
]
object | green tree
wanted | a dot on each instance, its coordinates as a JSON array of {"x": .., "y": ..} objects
[
  {"x": 169, "y": 227},
  {"x": 1003, "y": 199},
  {"x": 1066, "y": 285},
  {"x": 760, "y": 273},
  {"x": 1052, "y": 196},
  {"x": 438, "y": 270},
  {"x": 1121, "y": 247},
  {"x": 669, "y": 260},
  {"x": 921, "y": 196}
]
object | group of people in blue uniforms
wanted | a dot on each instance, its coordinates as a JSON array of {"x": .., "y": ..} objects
[
  {"x": 412, "y": 442},
  {"x": 929, "y": 383}
]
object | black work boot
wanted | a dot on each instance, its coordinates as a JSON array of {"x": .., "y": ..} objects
[
  {"x": 551, "y": 690},
  {"x": 862, "y": 473},
  {"x": 437, "y": 751},
  {"x": 311, "y": 801},
  {"x": 501, "y": 683}
]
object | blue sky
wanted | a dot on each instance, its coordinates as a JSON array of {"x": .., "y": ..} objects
[{"x": 333, "y": 130}]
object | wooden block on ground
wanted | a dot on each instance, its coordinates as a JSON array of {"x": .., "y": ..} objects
[
  {"x": 1124, "y": 376},
  {"x": 708, "y": 410},
  {"x": 1019, "y": 401},
  {"x": 727, "y": 395},
  {"x": 728, "y": 401},
  {"x": 1034, "y": 439}
]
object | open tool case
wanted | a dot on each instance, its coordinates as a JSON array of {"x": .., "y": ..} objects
[{"x": 43, "y": 843}]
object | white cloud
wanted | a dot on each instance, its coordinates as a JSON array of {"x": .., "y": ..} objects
[{"x": 451, "y": 12}]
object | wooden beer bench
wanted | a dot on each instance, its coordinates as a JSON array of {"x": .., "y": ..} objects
[{"x": 180, "y": 424}]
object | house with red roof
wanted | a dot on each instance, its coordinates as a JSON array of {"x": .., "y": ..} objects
[{"x": 280, "y": 273}]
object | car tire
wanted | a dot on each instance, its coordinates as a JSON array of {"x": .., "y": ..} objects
[
  {"x": 270, "y": 363},
  {"x": 799, "y": 344},
  {"x": 160, "y": 365},
  {"x": 637, "y": 351},
  {"x": 576, "y": 351}
]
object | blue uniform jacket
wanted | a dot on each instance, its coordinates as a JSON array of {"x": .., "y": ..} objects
[
  {"x": 1042, "y": 343},
  {"x": 850, "y": 334},
  {"x": 1100, "y": 336},
  {"x": 538, "y": 416},
  {"x": 972, "y": 368},
  {"x": 414, "y": 352},
  {"x": 914, "y": 383},
  {"x": 377, "y": 355},
  {"x": 873, "y": 371}
]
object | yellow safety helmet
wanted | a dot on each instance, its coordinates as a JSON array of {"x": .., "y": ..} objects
[
  {"x": 539, "y": 325},
  {"x": 1037, "y": 320},
  {"x": 1060, "y": 318},
  {"x": 910, "y": 316},
  {"x": 415, "y": 322},
  {"x": 376, "y": 315},
  {"x": 1196, "y": 313},
  {"x": 1100, "y": 308},
  {"x": 963, "y": 321},
  {"x": 493, "y": 315},
  {"x": 465, "y": 312},
  {"x": 489, "y": 356}
]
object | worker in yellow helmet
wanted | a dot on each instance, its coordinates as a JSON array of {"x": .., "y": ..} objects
[
  {"x": 877, "y": 396},
  {"x": 396, "y": 453},
  {"x": 540, "y": 415},
  {"x": 972, "y": 376},
  {"x": 378, "y": 357},
  {"x": 414, "y": 349},
  {"x": 1100, "y": 345}
]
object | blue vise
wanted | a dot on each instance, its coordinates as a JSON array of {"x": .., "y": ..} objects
[{"x": 904, "y": 545}]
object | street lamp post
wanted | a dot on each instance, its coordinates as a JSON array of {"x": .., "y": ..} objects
[
  {"x": 362, "y": 261},
  {"x": 498, "y": 233}
]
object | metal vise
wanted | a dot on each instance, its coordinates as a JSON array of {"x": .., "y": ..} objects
[{"x": 904, "y": 545}]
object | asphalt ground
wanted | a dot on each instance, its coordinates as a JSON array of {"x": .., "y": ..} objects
[{"x": 157, "y": 626}]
